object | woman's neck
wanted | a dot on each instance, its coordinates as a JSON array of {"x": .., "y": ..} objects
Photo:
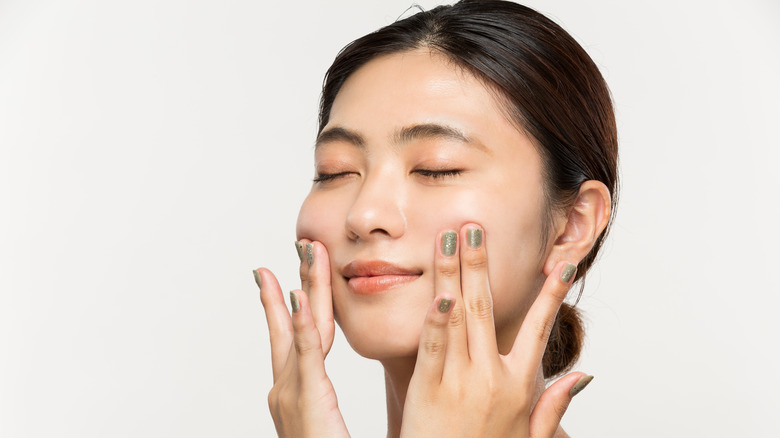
[{"x": 398, "y": 373}]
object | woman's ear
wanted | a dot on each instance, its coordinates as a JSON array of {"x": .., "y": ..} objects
[{"x": 586, "y": 219}]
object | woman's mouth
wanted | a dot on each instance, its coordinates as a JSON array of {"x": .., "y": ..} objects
[{"x": 376, "y": 276}]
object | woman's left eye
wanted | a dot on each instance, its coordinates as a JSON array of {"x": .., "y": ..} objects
[{"x": 438, "y": 173}]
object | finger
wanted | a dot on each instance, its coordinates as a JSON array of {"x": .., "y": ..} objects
[
  {"x": 305, "y": 253},
  {"x": 531, "y": 340},
  {"x": 477, "y": 299},
  {"x": 433, "y": 342},
  {"x": 547, "y": 414},
  {"x": 280, "y": 328},
  {"x": 319, "y": 292},
  {"x": 447, "y": 282},
  {"x": 308, "y": 349}
]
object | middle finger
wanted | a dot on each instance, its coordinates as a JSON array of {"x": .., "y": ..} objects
[{"x": 477, "y": 297}]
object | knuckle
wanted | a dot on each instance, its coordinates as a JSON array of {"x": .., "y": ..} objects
[
  {"x": 481, "y": 307},
  {"x": 273, "y": 397},
  {"x": 434, "y": 348},
  {"x": 457, "y": 317},
  {"x": 303, "y": 347},
  {"x": 543, "y": 329},
  {"x": 475, "y": 260},
  {"x": 449, "y": 269}
]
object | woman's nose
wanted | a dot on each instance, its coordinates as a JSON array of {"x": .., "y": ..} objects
[{"x": 377, "y": 211}]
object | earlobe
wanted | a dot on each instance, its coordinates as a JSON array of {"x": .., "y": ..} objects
[{"x": 585, "y": 222}]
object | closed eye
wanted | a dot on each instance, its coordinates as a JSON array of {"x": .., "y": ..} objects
[
  {"x": 325, "y": 177},
  {"x": 438, "y": 173}
]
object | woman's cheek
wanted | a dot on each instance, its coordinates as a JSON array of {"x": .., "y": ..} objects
[{"x": 318, "y": 218}]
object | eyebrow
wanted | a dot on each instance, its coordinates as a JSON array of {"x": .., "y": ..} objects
[
  {"x": 336, "y": 134},
  {"x": 402, "y": 136}
]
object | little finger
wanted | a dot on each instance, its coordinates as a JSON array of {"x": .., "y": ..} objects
[
  {"x": 531, "y": 340},
  {"x": 433, "y": 342}
]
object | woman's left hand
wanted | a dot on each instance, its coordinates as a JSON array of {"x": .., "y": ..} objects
[{"x": 462, "y": 386}]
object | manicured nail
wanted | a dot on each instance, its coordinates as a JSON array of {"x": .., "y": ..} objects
[
  {"x": 444, "y": 305},
  {"x": 474, "y": 237},
  {"x": 449, "y": 241},
  {"x": 258, "y": 280},
  {"x": 310, "y": 253},
  {"x": 580, "y": 385},
  {"x": 294, "y": 303},
  {"x": 568, "y": 272},
  {"x": 299, "y": 248}
]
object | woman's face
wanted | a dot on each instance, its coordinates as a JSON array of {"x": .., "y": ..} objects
[{"x": 416, "y": 146}]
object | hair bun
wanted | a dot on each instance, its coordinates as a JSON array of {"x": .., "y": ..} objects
[{"x": 565, "y": 343}]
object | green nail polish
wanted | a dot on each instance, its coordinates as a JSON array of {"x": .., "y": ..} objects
[
  {"x": 299, "y": 249},
  {"x": 474, "y": 237},
  {"x": 568, "y": 272},
  {"x": 580, "y": 385},
  {"x": 449, "y": 241},
  {"x": 444, "y": 305},
  {"x": 310, "y": 253},
  {"x": 258, "y": 280},
  {"x": 294, "y": 303}
]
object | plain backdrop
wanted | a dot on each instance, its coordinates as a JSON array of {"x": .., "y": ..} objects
[{"x": 153, "y": 152}]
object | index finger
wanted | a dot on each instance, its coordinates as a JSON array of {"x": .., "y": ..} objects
[
  {"x": 318, "y": 289},
  {"x": 280, "y": 328}
]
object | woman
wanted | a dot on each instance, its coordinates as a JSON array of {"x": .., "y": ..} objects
[{"x": 465, "y": 175}]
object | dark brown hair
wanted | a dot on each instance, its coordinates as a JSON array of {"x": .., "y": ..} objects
[{"x": 549, "y": 87}]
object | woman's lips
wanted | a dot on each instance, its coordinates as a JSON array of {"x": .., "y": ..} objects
[{"x": 376, "y": 276}]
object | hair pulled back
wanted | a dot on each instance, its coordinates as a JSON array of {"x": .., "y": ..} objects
[{"x": 549, "y": 87}]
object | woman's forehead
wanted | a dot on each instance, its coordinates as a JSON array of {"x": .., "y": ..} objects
[{"x": 394, "y": 92}]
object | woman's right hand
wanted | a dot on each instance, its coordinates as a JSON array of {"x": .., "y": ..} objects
[{"x": 302, "y": 401}]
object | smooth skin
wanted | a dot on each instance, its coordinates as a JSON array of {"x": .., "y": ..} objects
[
  {"x": 457, "y": 353},
  {"x": 476, "y": 369}
]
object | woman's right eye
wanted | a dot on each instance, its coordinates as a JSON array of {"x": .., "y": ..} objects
[{"x": 326, "y": 177}]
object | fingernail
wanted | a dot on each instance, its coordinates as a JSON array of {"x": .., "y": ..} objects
[
  {"x": 258, "y": 280},
  {"x": 580, "y": 385},
  {"x": 299, "y": 248},
  {"x": 444, "y": 305},
  {"x": 474, "y": 237},
  {"x": 294, "y": 303},
  {"x": 568, "y": 272},
  {"x": 310, "y": 253},
  {"x": 449, "y": 241}
]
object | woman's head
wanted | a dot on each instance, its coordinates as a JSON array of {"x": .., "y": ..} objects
[{"x": 503, "y": 96}]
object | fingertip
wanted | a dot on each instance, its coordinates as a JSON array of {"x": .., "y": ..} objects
[
  {"x": 582, "y": 382},
  {"x": 568, "y": 272},
  {"x": 258, "y": 278},
  {"x": 473, "y": 235},
  {"x": 445, "y": 304},
  {"x": 299, "y": 249},
  {"x": 295, "y": 303}
]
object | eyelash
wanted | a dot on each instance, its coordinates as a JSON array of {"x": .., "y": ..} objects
[
  {"x": 427, "y": 173},
  {"x": 437, "y": 174},
  {"x": 325, "y": 177}
]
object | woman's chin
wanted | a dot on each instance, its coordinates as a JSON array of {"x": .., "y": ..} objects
[{"x": 384, "y": 345}]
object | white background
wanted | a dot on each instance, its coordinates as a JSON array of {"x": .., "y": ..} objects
[{"x": 153, "y": 152}]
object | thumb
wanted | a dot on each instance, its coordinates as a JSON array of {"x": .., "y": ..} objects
[{"x": 553, "y": 403}]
